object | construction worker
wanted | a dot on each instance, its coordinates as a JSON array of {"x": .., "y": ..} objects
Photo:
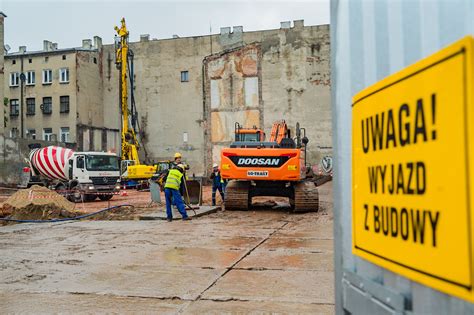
[
  {"x": 177, "y": 159},
  {"x": 217, "y": 183},
  {"x": 172, "y": 195}
]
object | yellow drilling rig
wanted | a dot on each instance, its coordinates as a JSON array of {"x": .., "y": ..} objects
[{"x": 131, "y": 167}]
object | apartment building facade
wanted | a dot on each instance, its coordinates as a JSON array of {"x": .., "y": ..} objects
[
  {"x": 191, "y": 91},
  {"x": 56, "y": 95}
]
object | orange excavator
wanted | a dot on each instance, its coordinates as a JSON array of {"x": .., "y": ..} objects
[{"x": 277, "y": 167}]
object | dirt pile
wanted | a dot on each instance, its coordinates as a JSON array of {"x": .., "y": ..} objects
[{"x": 37, "y": 203}]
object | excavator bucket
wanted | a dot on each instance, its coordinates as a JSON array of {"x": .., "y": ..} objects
[{"x": 193, "y": 193}]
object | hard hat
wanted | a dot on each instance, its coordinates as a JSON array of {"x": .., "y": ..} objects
[
  {"x": 177, "y": 155},
  {"x": 215, "y": 165}
]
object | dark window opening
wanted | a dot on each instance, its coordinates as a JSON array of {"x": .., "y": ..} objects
[
  {"x": 184, "y": 76},
  {"x": 47, "y": 105},
  {"x": 64, "y": 104},
  {"x": 64, "y": 57},
  {"x": 46, "y": 59},
  {"x": 14, "y": 108},
  {"x": 30, "y": 106},
  {"x": 95, "y": 60},
  {"x": 13, "y": 62},
  {"x": 30, "y": 60}
]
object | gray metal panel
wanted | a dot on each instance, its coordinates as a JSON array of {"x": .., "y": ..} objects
[{"x": 370, "y": 40}]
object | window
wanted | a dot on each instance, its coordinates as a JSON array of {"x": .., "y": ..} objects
[
  {"x": 64, "y": 132},
  {"x": 80, "y": 162},
  {"x": 64, "y": 57},
  {"x": 30, "y": 60},
  {"x": 30, "y": 106},
  {"x": 46, "y": 59},
  {"x": 13, "y": 62},
  {"x": 30, "y": 78},
  {"x": 47, "y": 134},
  {"x": 95, "y": 60},
  {"x": 47, "y": 76},
  {"x": 64, "y": 104},
  {"x": 14, "y": 79},
  {"x": 184, "y": 76},
  {"x": 14, "y": 133},
  {"x": 14, "y": 108},
  {"x": 31, "y": 134},
  {"x": 64, "y": 75},
  {"x": 47, "y": 106}
]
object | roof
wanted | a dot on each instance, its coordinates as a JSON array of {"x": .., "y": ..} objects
[{"x": 49, "y": 52}]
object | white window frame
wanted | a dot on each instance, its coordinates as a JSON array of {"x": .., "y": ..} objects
[
  {"x": 47, "y": 74},
  {"x": 64, "y": 72},
  {"x": 63, "y": 132},
  {"x": 47, "y": 136},
  {"x": 30, "y": 78},
  {"x": 33, "y": 134},
  {"x": 14, "y": 79},
  {"x": 14, "y": 133},
  {"x": 185, "y": 76}
]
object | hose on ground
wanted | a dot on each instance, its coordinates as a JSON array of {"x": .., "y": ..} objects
[{"x": 67, "y": 219}]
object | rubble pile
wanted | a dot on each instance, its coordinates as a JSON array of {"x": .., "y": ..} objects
[{"x": 37, "y": 203}]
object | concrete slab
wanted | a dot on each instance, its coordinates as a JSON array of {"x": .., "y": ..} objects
[
  {"x": 287, "y": 260},
  {"x": 161, "y": 215},
  {"x": 272, "y": 285},
  {"x": 301, "y": 244},
  {"x": 63, "y": 303},
  {"x": 253, "y": 307},
  {"x": 223, "y": 262}
]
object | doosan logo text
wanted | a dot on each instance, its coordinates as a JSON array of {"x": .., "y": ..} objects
[{"x": 258, "y": 161}]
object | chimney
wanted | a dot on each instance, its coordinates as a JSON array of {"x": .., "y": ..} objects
[
  {"x": 22, "y": 49},
  {"x": 238, "y": 29},
  {"x": 225, "y": 30},
  {"x": 97, "y": 42},
  {"x": 86, "y": 43},
  {"x": 54, "y": 46},
  {"x": 285, "y": 24},
  {"x": 47, "y": 45},
  {"x": 144, "y": 37},
  {"x": 298, "y": 23}
]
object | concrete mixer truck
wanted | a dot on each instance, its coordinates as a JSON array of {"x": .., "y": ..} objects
[{"x": 79, "y": 176}]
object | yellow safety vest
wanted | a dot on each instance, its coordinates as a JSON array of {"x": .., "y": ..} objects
[{"x": 174, "y": 179}]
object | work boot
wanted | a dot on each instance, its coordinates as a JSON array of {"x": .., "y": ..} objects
[
  {"x": 169, "y": 219},
  {"x": 187, "y": 219}
]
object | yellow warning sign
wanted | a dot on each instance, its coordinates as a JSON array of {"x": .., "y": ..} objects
[{"x": 412, "y": 162}]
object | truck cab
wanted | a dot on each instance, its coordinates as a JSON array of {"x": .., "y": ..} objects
[{"x": 93, "y": 174}]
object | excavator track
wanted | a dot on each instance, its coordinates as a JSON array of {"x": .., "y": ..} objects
[
  {"x": 237, "y": 195},
  {"x": 306, "y": 197}
]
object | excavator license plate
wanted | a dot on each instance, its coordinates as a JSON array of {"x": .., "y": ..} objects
[{"x": 257, "y": 173}]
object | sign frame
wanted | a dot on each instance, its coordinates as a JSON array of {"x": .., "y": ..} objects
[{"x": 379, "y": 256}]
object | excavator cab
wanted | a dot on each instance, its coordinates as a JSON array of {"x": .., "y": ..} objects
[{"x": 253, "y": 134}]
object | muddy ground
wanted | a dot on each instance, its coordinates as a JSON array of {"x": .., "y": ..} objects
[{"x": 263, "y": 260}]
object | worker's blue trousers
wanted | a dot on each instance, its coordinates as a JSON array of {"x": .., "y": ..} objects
[{"x": 173, "y": 196}]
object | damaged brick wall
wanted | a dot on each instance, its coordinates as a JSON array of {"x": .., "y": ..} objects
[{"x": 232, "y": 81}]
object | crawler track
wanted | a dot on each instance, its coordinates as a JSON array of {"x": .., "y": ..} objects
[
  {"x": 306, "y": 197},
  {"x": 237, "y": 195}
]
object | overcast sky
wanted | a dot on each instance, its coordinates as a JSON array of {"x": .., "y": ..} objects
[{"x": 67, "y": 22}]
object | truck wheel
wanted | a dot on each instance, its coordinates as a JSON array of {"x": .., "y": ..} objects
[
  {"x": 61, "y": 189},
  {"x": 76, "y": 195},
  {"x": 105, "y": 197},
  {"x": 90, "y": 197}
]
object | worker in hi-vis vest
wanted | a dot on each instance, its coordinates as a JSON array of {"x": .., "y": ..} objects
[
  {"x": 217, "y": 183},
  {"x": 172, "y": 195}
]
